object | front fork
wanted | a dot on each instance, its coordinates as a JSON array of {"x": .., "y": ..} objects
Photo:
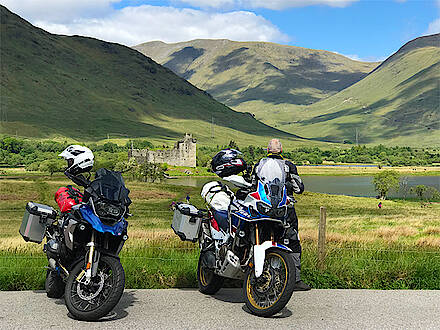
[
  {"x": 259, "y": 252},
  {"x": 92, "y": 260}
]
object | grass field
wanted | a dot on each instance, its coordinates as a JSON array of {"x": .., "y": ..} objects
[{"x": 397, "y": 246}]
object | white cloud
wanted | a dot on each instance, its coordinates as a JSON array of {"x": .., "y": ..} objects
[
  {"x": 433, "y": 27},
  {"x": 269, "y": 4},
  {"x": 358, "y": 58},
  {"x": 59, "y": 11},
  {"x": 134, "y": 25}
]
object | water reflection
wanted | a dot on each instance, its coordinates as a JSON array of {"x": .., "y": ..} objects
[{"x": 338, "y": 185}]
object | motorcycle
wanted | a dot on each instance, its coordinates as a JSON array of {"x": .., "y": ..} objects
[
  {"x": 246, "y": 241},
  {"x": 83, "y": 244}
]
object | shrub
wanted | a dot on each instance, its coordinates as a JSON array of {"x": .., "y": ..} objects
[
  {"x": 33, "y": 166},
  {"x": 386, "y": 181},
  {"x": 52, "y": 166}
]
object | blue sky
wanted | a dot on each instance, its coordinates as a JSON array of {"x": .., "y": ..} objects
[{"x": 361, "y": 29}]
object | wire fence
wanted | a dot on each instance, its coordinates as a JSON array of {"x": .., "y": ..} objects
[{"x": 358, "y": 254}]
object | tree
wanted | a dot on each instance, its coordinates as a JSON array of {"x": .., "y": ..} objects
[
  {"x": 139, "y": 144},
  {"x": 14, "y": 160},
  {"x": 419, "y": 190},
  {"x": 150, "y": 172},
  {"x": 433, "y": 194},
  {"x": 125, "y": 166},
  {"x": 51, "y": 166},
  {"x": 385, "y": 181},
  {"x": 33, "y": 166}
]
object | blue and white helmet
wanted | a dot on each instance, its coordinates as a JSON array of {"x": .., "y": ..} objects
[{"x": 79, "y": 159}]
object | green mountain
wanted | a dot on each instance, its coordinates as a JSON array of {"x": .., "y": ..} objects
[
  {"x": 83, "y": 88},
  {"x": 242, "y": 74},
  {"x": 398, "y": 103},
  {"x": 318, "y": 94}
]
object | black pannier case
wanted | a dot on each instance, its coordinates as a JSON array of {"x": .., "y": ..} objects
[{"x": 35, "y": 220}]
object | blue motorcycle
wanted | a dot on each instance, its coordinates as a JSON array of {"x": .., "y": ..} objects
[{"x": 83, "y": 246}]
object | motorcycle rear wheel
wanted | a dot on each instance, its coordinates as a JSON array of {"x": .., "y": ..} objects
[
  {"x": 54, "y": 284},
  {"x": 271, "y": 292},
  {"x": 208, "y": 281},
  {"x": 95, "y": 300}
]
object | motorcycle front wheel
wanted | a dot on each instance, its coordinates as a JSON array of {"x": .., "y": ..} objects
[
  {"x": 93, "y": 300},
  {"x": 269, "y": 294}
]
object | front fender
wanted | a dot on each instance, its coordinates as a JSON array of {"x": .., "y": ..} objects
[{"x": 260, "y": 254}]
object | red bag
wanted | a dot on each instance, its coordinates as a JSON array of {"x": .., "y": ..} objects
[{"x": 66, "y": 197}]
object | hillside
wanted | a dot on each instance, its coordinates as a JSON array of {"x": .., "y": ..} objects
[
  {"x": 239, "y": 73},
  {"x": 398, "y": 103},
  {"x": 83, "y": 88}
]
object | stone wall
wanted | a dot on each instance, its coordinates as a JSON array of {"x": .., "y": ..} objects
[{"x": 182, "y": 154}]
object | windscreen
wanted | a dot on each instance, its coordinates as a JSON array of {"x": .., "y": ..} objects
[
  {"x": 110, "y": 186},
  {"x": 272, "y": 173},
  {"x": 270, "y": 169}
]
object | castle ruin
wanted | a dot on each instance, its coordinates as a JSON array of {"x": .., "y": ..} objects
[{"x": 183, "y": 153}]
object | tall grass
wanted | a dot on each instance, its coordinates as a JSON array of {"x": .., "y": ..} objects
[{"x": 397, "y": 246}]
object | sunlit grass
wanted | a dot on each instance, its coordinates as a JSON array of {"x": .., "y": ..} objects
[{"x": 393, "y": 247}]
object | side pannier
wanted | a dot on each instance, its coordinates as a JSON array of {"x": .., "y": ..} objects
[
  {"x": 187, "y": 221},
  {"x": 35, "y": 220}
]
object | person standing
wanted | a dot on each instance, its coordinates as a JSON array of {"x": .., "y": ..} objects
[{"x": 274, "y": 162}]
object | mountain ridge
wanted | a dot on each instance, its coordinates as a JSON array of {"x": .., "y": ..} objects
[
  {"x": 84, "y": 88},
  {"x": 236, "y": 72},
  {"x": 397, "y": 103}
]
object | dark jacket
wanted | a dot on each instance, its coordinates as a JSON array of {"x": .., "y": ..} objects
[{"x": 294, "y": 182}]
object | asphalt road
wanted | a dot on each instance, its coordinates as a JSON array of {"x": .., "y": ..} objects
[{"x": 187, "y": 308}]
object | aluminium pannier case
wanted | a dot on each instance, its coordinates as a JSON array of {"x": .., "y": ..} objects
[
  {"x": 35, "y": 220},
  {"x": 186, "y": 223}
]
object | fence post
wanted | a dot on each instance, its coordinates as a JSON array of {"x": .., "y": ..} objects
[{"x": 321, "y": 238}]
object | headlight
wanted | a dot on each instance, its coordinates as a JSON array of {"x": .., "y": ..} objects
[
  {"x": 107, "y": 210},
  {"x": 113, "y": 210},
  {"x": 280, "y": 212},
  {"x": 263, "y": 208}
]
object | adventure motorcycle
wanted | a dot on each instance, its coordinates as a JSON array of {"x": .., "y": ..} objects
[
  {"x": 246, "y": 240},
  {"x": 83, "y": 243}
]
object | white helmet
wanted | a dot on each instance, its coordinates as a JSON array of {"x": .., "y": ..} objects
[{"x": 79, "y": 159}]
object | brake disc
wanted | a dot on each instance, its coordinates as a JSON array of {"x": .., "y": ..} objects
[{"x": 85, "y": 294}]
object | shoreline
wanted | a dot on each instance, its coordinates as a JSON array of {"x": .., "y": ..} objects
[{"x": 312, "y": 170}]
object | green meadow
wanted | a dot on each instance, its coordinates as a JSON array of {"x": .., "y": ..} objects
[{"x": 396, "y": 247}]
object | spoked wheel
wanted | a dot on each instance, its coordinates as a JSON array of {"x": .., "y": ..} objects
[
  {"x": 93, "y": 300},
  {"x": 268, "y": 294},
  {"x": 54, "y": 284},
  {"x": 209, "y": 282}
]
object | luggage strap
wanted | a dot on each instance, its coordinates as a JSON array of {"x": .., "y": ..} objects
[
  {"x": 75, "y": 194},
  {"x": 223, "y": 188}
]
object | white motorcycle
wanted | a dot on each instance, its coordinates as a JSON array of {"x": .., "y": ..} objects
[{"x": 242, "y": 237}]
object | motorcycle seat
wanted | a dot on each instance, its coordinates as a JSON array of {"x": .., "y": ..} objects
[{"x": 222, "y": 219}]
